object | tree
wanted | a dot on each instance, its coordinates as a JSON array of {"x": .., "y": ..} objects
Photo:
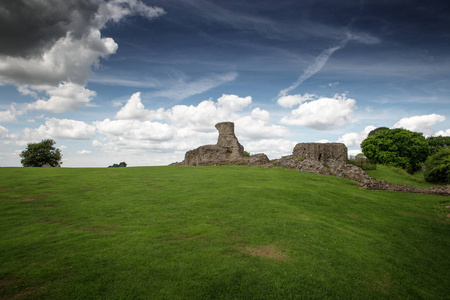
[
  {"x": 437, "y": 143},
  {"x": 437, "y": 166},
  {"x": 396, "y": 147},
  {"x": 39, "y": 154},
  {"x": 377, "y": 130}
]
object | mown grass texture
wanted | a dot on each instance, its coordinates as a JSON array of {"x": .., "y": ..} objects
[{"x": 227, "y": 232}]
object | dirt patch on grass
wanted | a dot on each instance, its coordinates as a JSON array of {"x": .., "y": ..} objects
[
  {"x": 93, "y": 229},
  {"x": 156, "y": 188},
  {"x": 14, "y": 289},
  {"x": 302, "y": 217},
  {"x": 448, "y": 216},
  {"x": 27, "y": 199},
  {"x": 268, "y": 251},
  {"x": 354, "y": 216},
  {"x": 360, "y": 195}
]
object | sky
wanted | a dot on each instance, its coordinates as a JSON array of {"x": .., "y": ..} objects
[{"x": 144, "y": 81}]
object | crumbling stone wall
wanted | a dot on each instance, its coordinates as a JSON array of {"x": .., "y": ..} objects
[
  {"x": 227, "y": 151},
  {"x": 323, "y": 152}
]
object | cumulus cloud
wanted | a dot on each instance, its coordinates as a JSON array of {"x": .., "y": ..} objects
[
  {"x": 422, "y": 123},
  {"x": 258, "y": 126},
  {"x": 443, "y": 133},
  {"x": 323, "y": 113},
  {"x": 273, "y": 148},
  {"x": 355, "y": 138},
  {"x": 133, "y": 109},
  {"x": 40, "y": 24},
  {"x": 60, "y": 41},
  {"x": 7, "y": 116},
  {"x": 62, "y": 129},
  {"x": 233, "y": 102},
  {"x": 65, "y": 97},
  {"x": 290, "y": 101},
  {"x": 135, "y": 130},
  {"x": 185, "y": 127},
  {"x": 68, "y": 59}
]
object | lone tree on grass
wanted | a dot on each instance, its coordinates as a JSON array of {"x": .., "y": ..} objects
[
  {"x": 396, "y": 147},
  {"x": 39, "y": 154}
]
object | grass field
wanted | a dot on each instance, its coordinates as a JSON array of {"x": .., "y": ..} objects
[{"x": 226, "y": 232}]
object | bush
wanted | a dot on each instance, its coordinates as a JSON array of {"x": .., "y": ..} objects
[
  {"x": 39, "y": 154},
  {"x": 246, "y": 154},
  {"x": 437, "y": 167},
  {"x": 437, "y": 143},
  {"x": 362, "y": 162},
  {"x": 121, "y": 165},
  {"x": 396, "y": 147}
]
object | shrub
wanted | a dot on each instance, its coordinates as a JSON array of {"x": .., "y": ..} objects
[
  {"x": 438, "y": 142},
  {"x": 246, "y": 154},
  {"x": 121, "y": 165},
  {"x": 437, "y": 167}
]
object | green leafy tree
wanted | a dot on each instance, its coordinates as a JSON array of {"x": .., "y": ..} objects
[
  {"x": 437, "y": 166},
  {"x": 396, "y": 147},
  {"x": 437, "y": 143},
  {"x": 377, "y": 130},
  {"x": 39, "y": 154}
]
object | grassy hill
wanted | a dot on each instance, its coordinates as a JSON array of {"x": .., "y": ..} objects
[
  {"x": 228, "y": 232},
  {"x": 399, "y": 176}
]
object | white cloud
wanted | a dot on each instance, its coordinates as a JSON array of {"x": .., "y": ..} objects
[
  {"x": 133, "y": 109},
  {"x": 422, "y": 123},
  {"x": 273, "y": 148},
  {"x": 323, "y": 113},
  {"x": 258, "y": 126},
  {"x": 84, "y": 152},
  {"x": 3, "y": 132},
  {"x": 233, "y": 103},
  {"x": 355, "y": 138},
  {"x": 65, "y": 97},
  {"x": 69, "y": 59},
  {"x": 67, "y": 53},
  {"x": 443, "y": 133},
  {"x": 290, "y": 101},
  {"x": 135, "y": 130},
  {"x": 61, "y": 129},
  {"x": 187, "y": 127},
  {"x": 116, "y": 10},
  {"x": 7, "y": 116}
]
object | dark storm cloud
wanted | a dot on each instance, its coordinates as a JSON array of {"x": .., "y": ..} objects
[{"x": 29, "y": 27}]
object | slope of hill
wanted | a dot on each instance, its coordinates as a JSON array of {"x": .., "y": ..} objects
[{"x": 228, "y": 232}]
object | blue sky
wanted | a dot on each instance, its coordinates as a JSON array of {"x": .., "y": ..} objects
[{"x": 145, "y": 81}]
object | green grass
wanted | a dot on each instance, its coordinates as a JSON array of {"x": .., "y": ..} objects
[
  {"x": 398, "y": 176},
  {"x": 228, "y": 232}
]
